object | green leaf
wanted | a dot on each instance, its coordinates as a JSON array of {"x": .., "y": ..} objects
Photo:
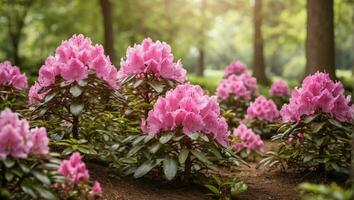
[
  {"x": 154, "y": 148},
  {"x": 170, "y": 167},
  {"x": 166, "y": 138},
  {"x": 9, "y": 176},
  {"x": 8, "y": 162},
  {"x": 310, "y": 118},
  {"x": 45, "y": 193},
  {"x": 75, "y": 90},
  {"x": 308, "y": 158},
  {"x": 200, "y": 156},
  {"x": 41, "y": 177},
  {"x": 26, "y": 188},
  {"x": 216, "y": 152},
  {"x": 4, "y": 194},
  {"x": 157, "y": 86},
  {"x": 138, "y": 83},
  {"x": 317, "y": 126},
  {"x": 76, "y": 108},
  {"x": 193, "y": 136},
  {"x": 213, "y": 189},
  {"x": 182, "y": 156},
  {"x": 144, "y": 169},
  {"x": 49, "y": 97},
  {"x": 238, "y": 188},
  {"x": 134, "y": 150}
]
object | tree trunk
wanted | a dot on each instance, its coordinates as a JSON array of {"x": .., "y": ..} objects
[
  {"x": 200, "y": 64},
  {"x": 258, "y": 58},
  {"x": 320, "y": 37},
  {"x": 108, "y": 29}
]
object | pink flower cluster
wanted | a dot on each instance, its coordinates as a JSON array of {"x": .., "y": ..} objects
[
  {"x": 279, "y": 88},
  {"x": 11, "y": 76},
  {"x": 236, "y": 68},
  {"x": 187, "y": 107},
  {"x": 152, "y": 58},
  {"x": 75, "y": 170},
  {"x": 248, "y": 139},
  {"x": 318, "y": 94},
  {"x": 74, "y": 60},
  {"x": 243, "y": 87},
  {"x": 17, "y": 139},
  {"x": 262, "y": 109}
]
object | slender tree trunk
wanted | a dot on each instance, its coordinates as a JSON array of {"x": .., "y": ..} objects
[
  {"x": 108, "y": 29},
  {"x": 75, "y": 127},
  {"x": 200, "y": 64},
  {"x": 258, "y": 58},
  {"x": 320, "y": 54}
]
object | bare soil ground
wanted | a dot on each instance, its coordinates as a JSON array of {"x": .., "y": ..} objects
[{"x": 263, "y": 184}]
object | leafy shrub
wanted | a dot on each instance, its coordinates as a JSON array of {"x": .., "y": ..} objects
[
  {"x": 234, "y": 94},
  {"x": 184, "y": 133},
  {"x": 12, "y": 84},
  {"x": 245, "y": 141},
  {"x": 260, "y": 115},
  {"x": 28, "y": 169},
  {"x": 225, "y": 189},
  {"x": 325, "y": 192},
  {"x": 79, "y": 77},
  {"x": 148, "y": 72},
  {"x": 316, "y": 132},
  {"x": 279, "y": 92}
]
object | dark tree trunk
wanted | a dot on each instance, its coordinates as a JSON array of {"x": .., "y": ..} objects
[
  {"x": 200, "y": 64},
  {"x": 258, "y": 58},
  {"x": 320, "y": 37},
  {"x": 108, "y": 29}
]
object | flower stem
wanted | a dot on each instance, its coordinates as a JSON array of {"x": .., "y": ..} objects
[{"x": 75, "y": 129}]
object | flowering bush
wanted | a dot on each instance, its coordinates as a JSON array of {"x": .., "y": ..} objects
[
  {"x": 12, "y": 83},
  {"x": 28, "y": 169},
  {"x": 234, "y": 94},
  {"x": 147, "y": 72},
  {"x": 246, "y": 139},
  {"x": 236, "y": 68},
  {"x": 279, "y": 88},
  {"x": 79, "y": 76},
  {"x": 184, "y": 132},
  {"x": 75, "y": 171},
  {"x": 261, "y": 114},
  {"x": 319, "y": 117}
]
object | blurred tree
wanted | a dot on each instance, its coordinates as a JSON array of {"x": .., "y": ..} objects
[
  {"x": 15, "y": 12},
  {"x": 258, "y": 62},
  {"x": 108, "y": 30},
  {"x": 201, "y": 43},
  {"x": 320, "y": 37}
]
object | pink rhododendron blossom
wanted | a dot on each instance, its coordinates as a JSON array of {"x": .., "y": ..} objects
[
  {"x": 74, "y": 60},
  {"x": 10, "y": 76},
  {"x": 17, "y": 140},
  {"x": 187, "y": 107},
  {"x": 236, "y": 68},
  {"x": 318, "y": 94},
  {"x": 35, "y": 95},
  {"x": 96, "y": 189},
  {"x": 243, "y": 86},
  {"x": 262, "y": 109},
  {"x": 40, "y": 141},
  {"x": 279, "y": 88},
  {"x": 247, "y": 139},
  {"x": 74, "y": 169},
  {"x": 152, "y": 58}
]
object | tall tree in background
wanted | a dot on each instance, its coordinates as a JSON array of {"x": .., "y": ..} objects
[
  {"x": 15, "y": 12},
  {"x": 108, "y": 29},
  {"x": 320, "y": 37},
  {"x": 201, "y": 42},
  {"x": 258, "y": 57}
]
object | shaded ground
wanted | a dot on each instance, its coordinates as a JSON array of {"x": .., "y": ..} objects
[{"x": 262, "y": 184}]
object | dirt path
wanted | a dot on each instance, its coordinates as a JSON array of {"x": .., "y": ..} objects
[{"x": 262, "y": 184}]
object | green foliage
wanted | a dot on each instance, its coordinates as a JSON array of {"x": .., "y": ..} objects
[
  {"x": 225, "y": 189},
  {"x": 316, "y": 142},
  {"x": 174, "y": 155},
  {"x": 12, "y": 98},
  {"x": 30, "y": 178},
  {"x": 234, "y": 111},
  {"x": 325, "y": 192}
]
